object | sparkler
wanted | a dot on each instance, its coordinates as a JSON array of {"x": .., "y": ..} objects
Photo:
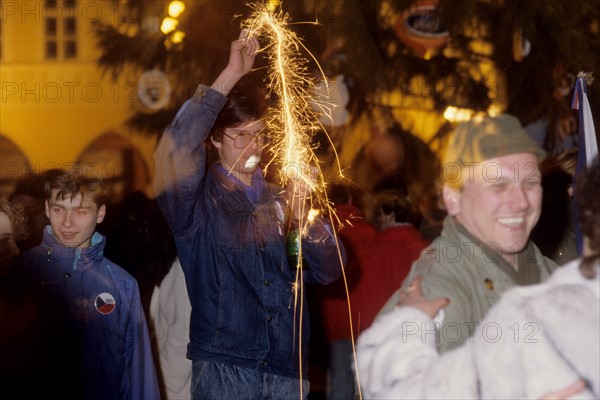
[
  {"x": 293, "y": 121},
  {"x": 292, "y": 124}
]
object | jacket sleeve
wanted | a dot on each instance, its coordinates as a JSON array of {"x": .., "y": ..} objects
[
  {"x": 323, "y": 252},
  {"x": 142, "y": 372},
  {"x": 397, "y": 358},
  {"x": 180, "y": 157}
]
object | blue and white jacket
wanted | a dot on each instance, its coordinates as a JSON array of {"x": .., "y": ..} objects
[{"x": 104, "y": 305}]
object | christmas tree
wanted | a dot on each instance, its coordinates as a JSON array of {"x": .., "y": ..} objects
[{"x": 405, "y": 64}]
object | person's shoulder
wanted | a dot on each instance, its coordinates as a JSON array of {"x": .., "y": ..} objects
[
  {"x": 442, "y": 274},
  {"x": 566, "y": 278},
  {"x": 117, "y": 271},
  {"x": 414, "y": 235},
  {"x": 28, "y": 257},
  {"x": 567, "y": 272},
  {"x": 435, "y": 261},
  {"x": 33, "y": 250}
]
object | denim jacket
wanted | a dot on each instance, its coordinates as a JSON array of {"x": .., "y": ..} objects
[{"x": 233, "y": 251}]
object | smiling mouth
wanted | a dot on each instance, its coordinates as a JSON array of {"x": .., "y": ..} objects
[{"x": 511, "y": 222}]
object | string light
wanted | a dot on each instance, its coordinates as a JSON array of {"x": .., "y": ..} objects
[
  {"x": 176, "y": 8},
  {"x": 168, "y": 25}
]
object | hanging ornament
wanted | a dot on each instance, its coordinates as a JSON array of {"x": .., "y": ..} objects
[
  {"x": 521, "y": 46},
  {"x": 154, "y": 89},
  {"x": 331, "y": 101},
  {"x": 419, "y": 27}
]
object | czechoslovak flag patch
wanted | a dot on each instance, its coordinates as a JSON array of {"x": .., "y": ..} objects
[{"x": 105, "y": 303}]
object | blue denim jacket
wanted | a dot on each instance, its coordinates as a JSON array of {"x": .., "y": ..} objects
[{"x": 233, "y": 252}]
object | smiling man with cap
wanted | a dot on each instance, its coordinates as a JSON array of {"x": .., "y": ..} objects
[{"x": 493, "y": 195}]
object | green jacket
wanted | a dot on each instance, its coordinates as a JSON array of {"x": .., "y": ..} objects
[{"x": 473, "y": 276}]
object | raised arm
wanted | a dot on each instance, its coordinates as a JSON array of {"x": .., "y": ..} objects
[
  {"x": 241, "y": 59},
  {"x": 180, "y": 157}
]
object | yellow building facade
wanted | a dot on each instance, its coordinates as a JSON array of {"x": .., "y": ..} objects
[{"x": 56, "y": 106}]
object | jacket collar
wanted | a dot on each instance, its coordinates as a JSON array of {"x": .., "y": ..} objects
[
  {"x": 75, "y": 257},
  {"x": 530, "y": 260}
]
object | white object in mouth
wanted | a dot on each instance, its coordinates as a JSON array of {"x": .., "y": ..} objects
[{"x": 252, "y": 161}]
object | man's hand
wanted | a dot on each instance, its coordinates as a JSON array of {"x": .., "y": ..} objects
[
  {"x": 241, "y": 59},
  {"x": 411, "y": 296},
  {"x": 565, "y": 393},
  {"x": 303, "y": 179},
  {"x": 242, "y": 54}
]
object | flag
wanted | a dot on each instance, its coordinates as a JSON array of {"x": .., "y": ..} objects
[{"x": 587, "y": 142}]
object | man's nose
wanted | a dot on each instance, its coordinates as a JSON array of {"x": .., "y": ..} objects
[
  {"x": 68, "y": 220},
  {"x": 518, "y": 198},
  {"x": 254, "y": 143}
]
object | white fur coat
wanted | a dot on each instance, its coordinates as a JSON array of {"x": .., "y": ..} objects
[{"x": 535, "y": 340}]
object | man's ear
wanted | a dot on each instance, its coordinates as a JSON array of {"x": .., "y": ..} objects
[
  {"x": 47, "y": 209},
  {"x": 215, "y": 143},
  {"x": 451, "y": 199},
  {"x": 101, "y": 213}
]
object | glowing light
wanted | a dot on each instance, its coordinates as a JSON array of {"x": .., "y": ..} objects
[
  {"x": 272, "y": 5},
  {"x": 455, "y": 114},
  {"x": 312, "y": 214},
  {"x": 293, "y": 121},
  {"x": 168, "y": 25},
  {"x": 176, "y": 8},
  {"x": 292, "y": 124},
  {"x": 178, "y": 37},
  {"x": 494, "y": 110}
]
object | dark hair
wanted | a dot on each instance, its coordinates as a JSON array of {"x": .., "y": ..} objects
[
  {"x": 16, "y": 216},
  {"x": 72, "y": 183},
  {"x": 245, "y": 103},
  {"x": 586, "y": 198},
  {"x": 395, "y": 201}
]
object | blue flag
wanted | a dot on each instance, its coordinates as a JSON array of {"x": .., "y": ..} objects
[{"x": 587, "y": 143}]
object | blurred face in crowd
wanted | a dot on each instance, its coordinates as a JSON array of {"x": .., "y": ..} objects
[
  {"x": 8, "y": 247},
  {"x": 241, "y": 147},
  {"x": 74, "y": 220},
  {"x": 500, "y": 202}
]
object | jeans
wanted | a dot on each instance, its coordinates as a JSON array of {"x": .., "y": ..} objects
[
  {"x": 341, "y": 379},
  {"x": 217, "y": 381}
]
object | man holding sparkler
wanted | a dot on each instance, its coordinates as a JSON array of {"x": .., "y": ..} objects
[{"x": 249, "y": 329}]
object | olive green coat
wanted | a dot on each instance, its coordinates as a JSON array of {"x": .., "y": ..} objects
[{"x": 473, "y": 276}]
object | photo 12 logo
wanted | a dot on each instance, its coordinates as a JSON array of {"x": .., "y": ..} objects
[
  {"x": 90, "y": 11},
  {"x": 453, "y": 332},
  {"x": 68, "y": 92}
]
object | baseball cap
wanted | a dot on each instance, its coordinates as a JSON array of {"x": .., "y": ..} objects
[{"x": 478, "y": 140}]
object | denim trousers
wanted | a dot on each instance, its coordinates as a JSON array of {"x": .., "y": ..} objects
[
  {"x": 218, "y": 381},
  {"x": 341, "y": 382}
]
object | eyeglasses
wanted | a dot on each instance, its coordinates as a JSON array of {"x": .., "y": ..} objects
[{"x": 243, "y": 140}]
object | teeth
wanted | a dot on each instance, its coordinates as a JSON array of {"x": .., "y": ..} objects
[{"x": 513, "y": 221}]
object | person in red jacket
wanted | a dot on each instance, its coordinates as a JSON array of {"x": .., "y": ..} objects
[
  {"x": 386, "y": 261},
  {"x": 330, "y": 303},
  {"x": 377, "y": 269}
]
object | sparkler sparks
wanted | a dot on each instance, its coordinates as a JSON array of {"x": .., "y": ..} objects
[
  {"x": 292, "y": 124},
  {"x": 293, "y": 121}
]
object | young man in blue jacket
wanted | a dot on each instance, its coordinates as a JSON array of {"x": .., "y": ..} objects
[
  {"x": 101, "y": 299},
  {"x": 248, "y": 332}
]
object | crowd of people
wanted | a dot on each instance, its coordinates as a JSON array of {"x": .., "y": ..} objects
[{"x": 193, "y": 294}]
